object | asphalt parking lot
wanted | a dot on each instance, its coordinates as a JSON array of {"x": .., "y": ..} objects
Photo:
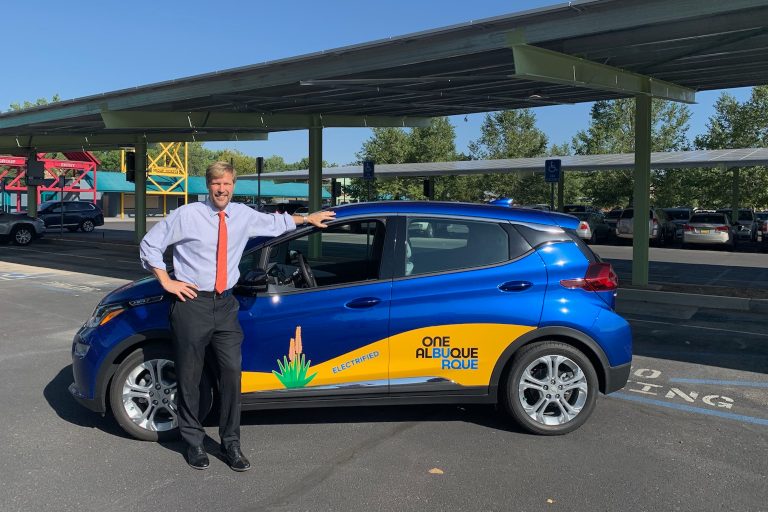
[{"x": 688, "y": 432}]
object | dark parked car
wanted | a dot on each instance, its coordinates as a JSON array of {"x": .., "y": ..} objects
[
  {"x": 592, "y": 227},
  {"x": 76, "y": 215},
  {"x": 747, "y": 224},
  {"x": 679, "y": 217},
  {"x": 612, "y": 218},
  {"x": 501, "y": 305},
  {"x": 19, "y": 228},
  {"x": 762, "y": 225}
]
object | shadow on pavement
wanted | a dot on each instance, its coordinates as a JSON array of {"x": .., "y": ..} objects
[{"x": 58, "y": 397}]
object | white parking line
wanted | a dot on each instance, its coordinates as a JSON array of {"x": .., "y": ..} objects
[
  {"x": 698, "y": 327},
  {"x": 59, "y": 253}
]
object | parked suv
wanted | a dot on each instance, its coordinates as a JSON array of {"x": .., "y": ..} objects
[
  {"x": 679, "y": 217},
  {"x": 501, "y": 305},
  {"x": 75, "y": 215},
  {"x": 762, "y": 226},
  {"x": 20, "y": 228},
  {"x": 747, "y": 224},
  {"x": 661, "y": 230}
]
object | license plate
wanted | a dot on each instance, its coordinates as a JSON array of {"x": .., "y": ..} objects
[{"x": 704, "y": 231}]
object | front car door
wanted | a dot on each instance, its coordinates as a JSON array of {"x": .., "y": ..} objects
[
  {"x": 323, "y": 340},
  {"x": 459, "y": 298}
]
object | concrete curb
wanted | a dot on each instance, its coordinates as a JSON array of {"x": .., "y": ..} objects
[{"x": 693, "y": 300}]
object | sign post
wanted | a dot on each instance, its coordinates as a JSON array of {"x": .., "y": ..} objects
[{"x": 552, "y": 176}]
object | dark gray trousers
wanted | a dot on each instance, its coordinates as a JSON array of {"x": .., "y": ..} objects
[{"x": 197, "y": 323}]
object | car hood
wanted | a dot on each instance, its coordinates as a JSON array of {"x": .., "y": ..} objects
[{"x": 140, "y": 289}]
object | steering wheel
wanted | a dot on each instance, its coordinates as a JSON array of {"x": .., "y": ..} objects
[{"x": 303, "y": 272}]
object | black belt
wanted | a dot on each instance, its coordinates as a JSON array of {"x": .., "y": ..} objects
[{"x": 214, "y": 295}]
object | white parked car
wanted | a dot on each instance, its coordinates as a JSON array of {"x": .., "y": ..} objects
[
  {"x": 661, "y": 230},
  {"x": 710, "y": 229}
]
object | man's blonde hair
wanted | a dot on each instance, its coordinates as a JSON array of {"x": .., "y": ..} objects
[{"x": 217, "y": 170}]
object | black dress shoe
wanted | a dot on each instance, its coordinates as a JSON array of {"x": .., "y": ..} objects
[
  {"x": 235, "y": 458},
  {"x": 197, "y": 458}
]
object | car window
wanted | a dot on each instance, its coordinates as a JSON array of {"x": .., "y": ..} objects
[
  {"x": 708, "y": 218},
  {"x": 678, "y": 214},
  {"x": 72, "y": 207},
  {"x": 54, "y": 209},
  {"x": 341, "y": 254},
  {"x": 613, "y": 214},
  {"x": 440, "y": 245}
]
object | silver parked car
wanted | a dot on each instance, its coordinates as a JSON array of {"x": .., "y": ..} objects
[
  {"x": 20, "y": 228},
  {"x": 710, "y": 229},
  {"x": 661, "y": 230},
  {"x": 747, "y": 224}
]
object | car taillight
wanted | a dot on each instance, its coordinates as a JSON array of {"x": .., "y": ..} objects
[
  {"x": 583, "y": 225},
  {"x": 722, "y": 228},
  {"x": 688, "y": 227},
  {"x": 600, "y": 277}
]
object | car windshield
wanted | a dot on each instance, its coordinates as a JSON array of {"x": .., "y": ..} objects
[
  {"x": 629, "y": 213},
  {"x": 762, "y": 216},
  {"x": 613, "y": 214},
  {"x": 678, "y": 214},
  {"x": 708, "y": 218},
  {"x": 743, "y": 214}
]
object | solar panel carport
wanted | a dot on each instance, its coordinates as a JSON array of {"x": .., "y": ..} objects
[{"x": 580, "y": 51}]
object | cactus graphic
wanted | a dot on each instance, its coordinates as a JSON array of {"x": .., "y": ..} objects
[{"x": 294, "y": 367}]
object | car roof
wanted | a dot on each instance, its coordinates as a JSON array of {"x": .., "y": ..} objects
[{"x": 459, "y": 209}]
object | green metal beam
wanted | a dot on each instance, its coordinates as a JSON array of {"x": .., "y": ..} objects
[
  {"x": 140, "y": 192},
  {"x": 17, "y": 143},
  {"x": 133, "y": 120},
  {"x": 642, "y": 190},
  {"x": 533, "y": 63}
]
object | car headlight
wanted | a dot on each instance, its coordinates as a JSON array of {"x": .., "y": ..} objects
[{"x": 104, "y": 313}]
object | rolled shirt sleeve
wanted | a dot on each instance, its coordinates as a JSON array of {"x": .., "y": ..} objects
[{"x": 157, "y": 240}]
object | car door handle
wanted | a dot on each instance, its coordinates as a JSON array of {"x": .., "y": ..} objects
[
  {"x": 515, "y": 286},
  {"x": 362, "y": 302}
]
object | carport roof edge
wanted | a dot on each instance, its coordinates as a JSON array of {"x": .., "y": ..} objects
[{"x": 459, "y": 69}]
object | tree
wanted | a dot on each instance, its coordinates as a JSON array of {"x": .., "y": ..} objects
[
  {"x": 612, "y": 130},
  {"x": 37, "y": 103},
  {"x": 510, "y": 134},
  {"x": 734, "y": 125},
  {"x": 433, "y": 143}
]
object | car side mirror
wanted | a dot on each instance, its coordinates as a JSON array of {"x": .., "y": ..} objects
[{"x": 253, "y": 282}]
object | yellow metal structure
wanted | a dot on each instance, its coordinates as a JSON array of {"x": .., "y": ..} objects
[{"x": 170, "y": 164}]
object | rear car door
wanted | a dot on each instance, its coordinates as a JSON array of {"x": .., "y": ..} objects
[
  {"x": 324, "y": 341},
  {"x": 459, "y": 298}
]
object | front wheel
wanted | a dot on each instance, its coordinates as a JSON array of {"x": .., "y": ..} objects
[
  {"x": 551, "y": 388},
  {"x": 22, "y": 235},
  {"x": 87, "y": 226},
  {"x": 142, "y": 395}
]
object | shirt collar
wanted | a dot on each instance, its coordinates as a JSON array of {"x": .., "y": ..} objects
[{"x": 213, "y": 211}]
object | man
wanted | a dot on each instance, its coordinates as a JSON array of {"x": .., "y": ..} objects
[{"x": 208, "y": 239}]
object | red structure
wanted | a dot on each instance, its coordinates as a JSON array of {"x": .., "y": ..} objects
[{"x": 13, "y": 170}]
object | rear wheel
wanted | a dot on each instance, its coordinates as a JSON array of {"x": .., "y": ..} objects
[
  {"x": 143, "y": 394},
  {"x": 551, "y": 388},
  {"x": 22, "y": 235}
]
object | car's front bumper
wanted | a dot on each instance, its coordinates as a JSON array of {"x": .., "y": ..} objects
[{"x": 95, "y": 404}]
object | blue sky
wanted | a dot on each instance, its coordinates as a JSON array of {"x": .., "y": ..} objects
[{"x": 86, "y": 47}]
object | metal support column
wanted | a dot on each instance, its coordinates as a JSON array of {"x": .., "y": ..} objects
[
  {"x": 642, "y": 190},
  {"x": 31, "y": 201},
  {"x": 735, "y": 195},
  {"x": 315, "y": 178},
  {"x": 560, "y": 190},
  {"x": 140, "y": 191}
]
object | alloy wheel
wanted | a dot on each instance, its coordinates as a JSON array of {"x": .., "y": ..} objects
[
  {"x": 149, "y": 395},
  {"x": 553, "y": 390}
]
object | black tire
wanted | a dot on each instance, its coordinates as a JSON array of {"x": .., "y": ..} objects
[
  {"x": 22, "y": 234},
  {"x": 87, "y": 225},
  {"x": 529, "y": 361},
  {"x": 130, "y": 370}
]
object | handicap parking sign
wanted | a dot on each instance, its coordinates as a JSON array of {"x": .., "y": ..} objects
[{"x": 552, "y": 171}]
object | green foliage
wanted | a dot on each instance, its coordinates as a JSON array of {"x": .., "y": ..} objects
[
  {"x": 612, "y": 130},
  {"x": 37, "y": 103},
  {"x": 293, "y": 374},
  {"x": 733, "y": 125}
]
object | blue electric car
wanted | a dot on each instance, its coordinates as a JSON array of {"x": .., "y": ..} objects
[{"x": 393, "y": 303}]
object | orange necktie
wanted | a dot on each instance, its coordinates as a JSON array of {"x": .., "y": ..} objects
[{"x": 221, "y": 256}]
